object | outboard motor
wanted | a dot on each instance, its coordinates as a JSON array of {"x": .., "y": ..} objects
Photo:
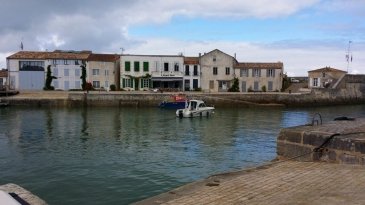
[{"x": 181, "y": 114}]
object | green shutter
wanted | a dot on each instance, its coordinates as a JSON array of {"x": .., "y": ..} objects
[
  {"x": 145, "y": 66},
  {"x": 123, "y": 84},
  {"x": 136, "y": 66},
  {"x": 127, "y": 66}
]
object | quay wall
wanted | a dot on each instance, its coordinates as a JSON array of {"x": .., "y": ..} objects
[
  {"x": 135, "y": 99},
  {"x": 340, "y": 141}
]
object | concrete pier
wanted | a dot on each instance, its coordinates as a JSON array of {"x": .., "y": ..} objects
[{"x": 317, "y": 164}]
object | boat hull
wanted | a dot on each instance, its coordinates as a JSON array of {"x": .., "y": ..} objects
[
  {"x": 172, "y": 105},
  {"x": 186, "y": 113}
]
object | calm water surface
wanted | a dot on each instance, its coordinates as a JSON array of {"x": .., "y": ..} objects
[{"x": 119, "y": 156}]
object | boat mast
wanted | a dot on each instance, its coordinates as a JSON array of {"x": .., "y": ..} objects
[{"x": 349, "y": 56}]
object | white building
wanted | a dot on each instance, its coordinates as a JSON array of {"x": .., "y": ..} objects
[
  {"x": 142, "y": 72},
  {"x": 191, "y": 73}
]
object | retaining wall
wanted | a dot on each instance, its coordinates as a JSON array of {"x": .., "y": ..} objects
[{"x": 346, "y": 146}]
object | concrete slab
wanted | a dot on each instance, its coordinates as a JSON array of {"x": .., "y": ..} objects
[{"x": 284, "y": 182}]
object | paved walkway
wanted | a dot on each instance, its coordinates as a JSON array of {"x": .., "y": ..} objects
[{"x": 281, "y": 183}]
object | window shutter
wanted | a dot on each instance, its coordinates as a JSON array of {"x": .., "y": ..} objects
[
  {"x": 267, "y": 73},
  {"x": 123, "y": 84},
  {"x": 273, "y": 72}
]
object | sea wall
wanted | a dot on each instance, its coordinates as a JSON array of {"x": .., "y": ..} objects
[{"x": 340, "y": 141}]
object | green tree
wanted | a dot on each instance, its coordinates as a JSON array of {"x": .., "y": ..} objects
[
  {"x": 235, "y": 86},
  {"x": 49, "y": 78},
  {"x": 83, "y": 75},
  {"x": 286, "y": 82}
]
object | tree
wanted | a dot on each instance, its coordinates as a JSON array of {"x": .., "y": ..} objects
[
  {"x": 49, "y": 78},
  {"x": 235, "y": 86},
  {"x": 83, "y": 75}
]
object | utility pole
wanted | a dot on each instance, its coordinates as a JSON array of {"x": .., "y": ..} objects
[{"x": 349, "y": 56}]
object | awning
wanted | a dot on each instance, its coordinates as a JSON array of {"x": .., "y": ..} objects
[{"x": 169, "y": 79}]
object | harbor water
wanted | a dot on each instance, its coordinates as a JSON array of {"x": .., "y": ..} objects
[{"x": 123, "y": 155}]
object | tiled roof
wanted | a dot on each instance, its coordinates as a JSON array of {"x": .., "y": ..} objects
[
  {"x": 191, "y": 60},
  {"x": 103, "y": 57},
  {"x": 278, "y": 65},
  {"x": 3, "y": 73},
  {"x": 327, "y": 69},
  {"x": 57, "y": 54},
  {"x": 29, "y": 55}
]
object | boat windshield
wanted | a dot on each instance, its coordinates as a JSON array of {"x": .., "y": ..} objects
[{"x": 193, "y": 105}]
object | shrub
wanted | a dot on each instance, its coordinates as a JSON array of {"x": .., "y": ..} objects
[
  {"x": 113, "y": 87},
  {"x": 263, "y": 88}
]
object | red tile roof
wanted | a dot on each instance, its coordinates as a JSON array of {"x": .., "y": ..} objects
[
  {"x": 278, "y": 65},
  {"x": 57, "y": 54},
  {"x": 3, "y": 73},
  {"x": 191, "y": 60},
  {"x": 327, "y": 69},
  {"x": 103, "y": 57}
]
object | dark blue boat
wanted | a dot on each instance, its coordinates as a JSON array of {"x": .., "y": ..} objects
[{"x": 177, "y": 102}]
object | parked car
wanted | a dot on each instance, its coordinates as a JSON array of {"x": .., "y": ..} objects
[{"x": 293, "y": 80}]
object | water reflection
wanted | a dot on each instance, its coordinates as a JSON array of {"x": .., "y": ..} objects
[{"x": 121, "y": 155}]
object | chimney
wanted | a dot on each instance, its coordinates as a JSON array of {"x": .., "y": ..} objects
[
  {"x": 234, "y": 55},
  {"x": 200, "y": 55}
]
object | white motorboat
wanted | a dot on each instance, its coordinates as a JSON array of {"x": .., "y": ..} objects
[{"x": 195, "y": 108}]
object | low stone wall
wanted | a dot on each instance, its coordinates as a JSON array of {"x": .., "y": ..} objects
[{"x": 342, "y": 142}]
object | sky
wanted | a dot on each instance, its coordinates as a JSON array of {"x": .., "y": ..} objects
[{"x": 303, "y": 34}]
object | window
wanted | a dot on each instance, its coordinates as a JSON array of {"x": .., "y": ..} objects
[
  {"x": 256, "y": 73},
  {"x": 136, "y": 66},
  {"x": 256, "y": 86},
  {"x": 127, "y": 66},
  {"x": 55, "y": 72},
  {"x": 270, "y": 86},
  {"x": 76, "y": 62},
  {"x": 195, "y": 70},
  {"x": 67, "y": 85},
  {"x": 65, "y": 62},
  {"x": 66, "y": 72},
  {"x": 176, "y": 67},
  {"x": 215, "y": 71},
  {"x": 195, "y": 83},
  {"x": 106, "y": 72},
  {"x": 227, "y": 70},
  {"x": 244, "y": 73},
  {"x": 270, "y": 73},
  {"x": 157, "y": 64},
  {"x": 127, "y": 83},
  {"x": 323, "y": 75},
  {"x": 243, "y": 86},
  {"x": 145, "y": 83},
  {"x": 77, "y": 72},
  {"x": 214, "y": 58},
  {"x": 54, "y": 62},
  {"x": 187, "y": 85},
  {"x": 166, "y": 66},
  {"x": 96, "y": 84},
  {"x": 146, "y": 66},
  {"x": 77, "y": 84},
  {"x": 95, "y": 71},
  {"x": 187, "y": 70},
  {"x": 31, "y": 65},
  {"x": 211, "y": 84},
  {"x": 55, "y": 84},
  {"x": 106, "y": 85},
  {"x": 315, "y": 82}
]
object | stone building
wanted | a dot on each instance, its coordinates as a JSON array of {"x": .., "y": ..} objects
[
  {"x": 259, "y": 76},
  {"x": 324, "y": 77},
  {"x": 191, "y": 73},
  {"x": 103, "y": 70}
]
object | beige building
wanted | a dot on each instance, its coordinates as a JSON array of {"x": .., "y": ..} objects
[
  {"x": 324, "y": 77},
  {"x": 217, "y": 71},
  {"x": 259, "y": 76},
  {"x": 3, "y": 79},
  {"x": 103, "y": 70}
]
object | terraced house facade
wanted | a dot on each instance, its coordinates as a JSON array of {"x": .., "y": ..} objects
[{"x": 214, "y": 71}]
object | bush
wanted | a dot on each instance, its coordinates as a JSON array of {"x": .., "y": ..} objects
[
  {"x": 198, "y": 89},
  {"x": 113, "y": 87},
  {"x": 249, "y": 89},
  {"x": 263, "y": 88}
]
